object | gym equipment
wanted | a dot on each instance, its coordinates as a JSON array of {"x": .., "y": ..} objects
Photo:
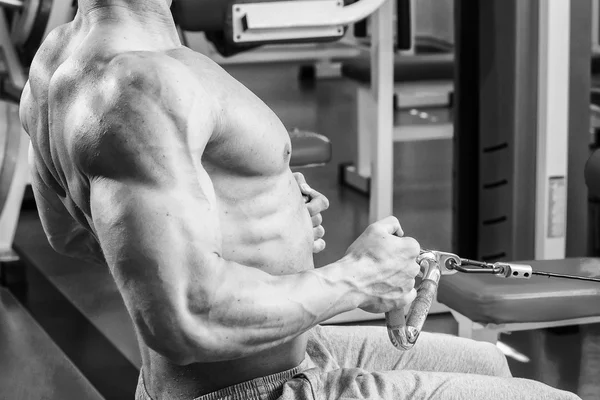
[
  {"x": 31, "y": 20},
  {"x": 423, "y": 85},
  {"x": 309, "y": 149},
  {"x": 23, "y": 25},
  {"x": 516, "y": 160},
  {"x": 404, "y": 332},
  {"x": 13, "y": 172},
  {"x": 241, "y": 25},
  {"x": 473, "y": 298}
]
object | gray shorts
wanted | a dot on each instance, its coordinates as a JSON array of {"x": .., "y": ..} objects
[{"x": 359, "y": 362}]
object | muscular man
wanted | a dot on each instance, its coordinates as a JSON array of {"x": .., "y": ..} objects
[{"x": 149, "y": 158}]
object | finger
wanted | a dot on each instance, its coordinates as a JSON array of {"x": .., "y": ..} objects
[
  {"x": 299, "y": 178},
  {"x": 318, "y": 203},
  {"x": 410, "y": 247},
  {"x": 411, "y": 296},
  {"x": 319, "y": 232},
  {"x": 317, "y": 219},
  {"x": 391, "y": 225},
  {"x": 413, "y": 269},
  {"x": 319, "y": 246}
]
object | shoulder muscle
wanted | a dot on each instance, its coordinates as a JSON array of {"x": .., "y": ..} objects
[{"x": 137, "y": 118}]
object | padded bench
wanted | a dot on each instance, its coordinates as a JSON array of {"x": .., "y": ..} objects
[
  {"x": 428, "y": 67},
  {"x": 309, "y": 149},
  {"x": 486, "y": 305}
]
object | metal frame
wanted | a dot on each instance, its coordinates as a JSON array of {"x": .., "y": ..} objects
[
  {"x": 511, "y": 186},
  {"x": 496, "y": 113},
  {"x": 578, "y": 220},
  {"x": 286, "y": 20},
  {"x": 306, "y": 14},
  {"x": 17, "y": 157},
  {"x": 317, "y": 52},
  {"x": 489, "y": 332},
  {"x": 595, "y": 13},
  {"x": 382, "y": 75},
  {"x": 552, "y": 133},
  {"x": 409, "y": 97}
]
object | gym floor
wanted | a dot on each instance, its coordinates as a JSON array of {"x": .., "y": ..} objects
[{"x": 97, "y": 335}]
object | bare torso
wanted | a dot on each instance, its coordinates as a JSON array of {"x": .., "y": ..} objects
[{"x": 263, "y": 220}]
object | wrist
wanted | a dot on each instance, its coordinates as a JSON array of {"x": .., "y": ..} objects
[{"x": 340, "y": 278}]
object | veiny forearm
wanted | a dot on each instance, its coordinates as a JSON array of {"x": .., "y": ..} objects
[{"x": 252, "y": 311}]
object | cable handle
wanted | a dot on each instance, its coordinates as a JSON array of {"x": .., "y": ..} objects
[{"x": 404, "y": 331}]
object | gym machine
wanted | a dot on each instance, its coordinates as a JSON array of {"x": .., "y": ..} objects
[{"x": 23, "y": 26}]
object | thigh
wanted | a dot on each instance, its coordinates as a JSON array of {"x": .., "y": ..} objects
[
  {"x": 369, "y": 348},
  {"x": 412, "y": 385}
]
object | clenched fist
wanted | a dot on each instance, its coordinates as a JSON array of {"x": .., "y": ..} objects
[{"x": 383, "y": 267}]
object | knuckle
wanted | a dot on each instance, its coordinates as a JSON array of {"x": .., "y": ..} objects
[
  {"x": 371, "y": 229},
  {"x": 412, "y": 248},
  {"x": 391, "y": 220},
  {"x": 323, "y": 202},
  {"x": 319, "y": 246},
  {"x": 319, "y": 231},
  {"x": 317, "y": 219},
  {"x": 415, "y": 269}
]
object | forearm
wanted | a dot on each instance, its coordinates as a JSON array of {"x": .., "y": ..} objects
[{"x": 252, "y": 311}]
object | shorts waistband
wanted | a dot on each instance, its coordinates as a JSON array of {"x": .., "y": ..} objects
[
  {"x": 265, "y": 388},
  {"x": 268, "y": 387}
]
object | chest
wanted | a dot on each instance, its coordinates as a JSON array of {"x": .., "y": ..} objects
[{"x": 250, "y": 140}]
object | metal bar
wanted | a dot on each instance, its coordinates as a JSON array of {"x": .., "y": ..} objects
[
  {"x": 579, "y": 124},
  {"x": 14, "y": 168},
  {"x": 553, "y": 130},
  {"x": 382, "y": 85},
  {"x": 466, "y": 121},
  {"x": 595, "y": 21},
  {"x": 11, "y": 4},
  {"x": 495, "y": 113},
  {"x": 306, "y": 14},
  {"x": 15, "y": 69}
]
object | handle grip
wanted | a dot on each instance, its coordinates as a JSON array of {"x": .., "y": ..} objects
[{"x": 404, "y": 332}]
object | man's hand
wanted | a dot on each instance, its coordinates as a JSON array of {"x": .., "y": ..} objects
[
  {"x": 383, "y": 267},
  {"x": 316, "y": 203}
]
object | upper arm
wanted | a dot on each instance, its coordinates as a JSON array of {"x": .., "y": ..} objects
[{"x": 151, "y": 203}]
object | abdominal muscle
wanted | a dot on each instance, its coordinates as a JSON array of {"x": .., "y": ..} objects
[{"x": 269, "y": 229}]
